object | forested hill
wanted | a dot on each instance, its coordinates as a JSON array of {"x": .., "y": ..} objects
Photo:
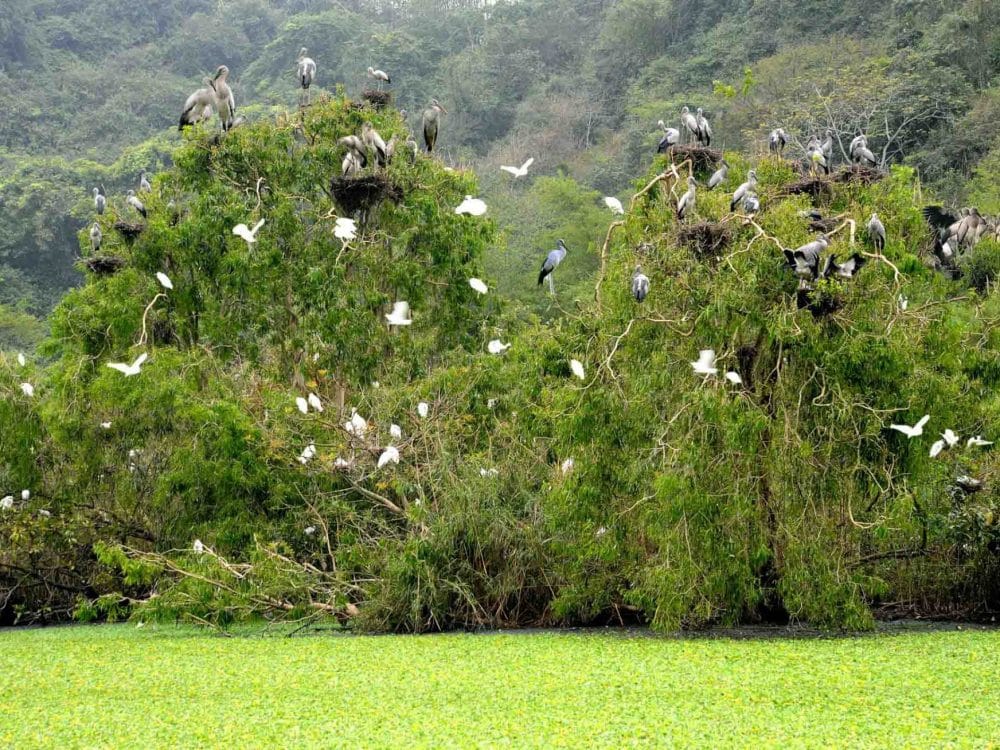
[{"x": 90, "y": 91}]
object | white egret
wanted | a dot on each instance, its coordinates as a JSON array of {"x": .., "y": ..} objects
[
  {"x": 132, "y": 369},
  {"x": 6, "y": 502},
  {"x": 471, "y": 207},
  {"x": 977, "y": 442},
  {"x": 345, "y": 229},
  {"x": 567, "y": 465},
  {"x": 937, "y": 448},
  {"x": 911, "y": 432},
  {"x": 400, "y": 315},
  {"x": 247, "y": 234},
  {"x": 395, "y": 432},
  {"x": 25, "y": 495},
  {"x": 105, "y": 425},
  {"x": 389, "y": 455},
  {"x": 734, "y": 378},
  {"x": 497, "y": 347},
  {"x": 489, "y": 473},
  {"x": 309, "y": 530},
  {"x": 423, "y": 409},
  {"x": 950, "y": 437},
  {"x": 705, "y": 364},
  {"x": 479, "y": 285},
  {"x": 576, "y": 367},
  {"x": 302, "y": 405},
  {"x": 28, "y": 389},
  {"x": 342, "y": 463},
  {"x": 164, "y": 280},
  {"x": 902, "y": 302},
  {"x": 198, "y": 546},
  {"x": 520, "y": 171},
  {"x": 315, "y": 403},
  {"x": 615, "y": 205},
  {"x": 307, "y": 454},
  {"x": 357, "y": 425},
  {"x": 21, "y": 360}
]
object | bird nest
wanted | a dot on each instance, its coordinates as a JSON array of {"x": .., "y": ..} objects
[
  {"x": 128, "y": 231},
  {"x": 705, "y": 238},
  {"x": 105, "y": 265},
  {"x": 377, "y": 99},
  {"x": 820, "y": 302},
  {"x": 702, "y": 159},
  {"x": 355, "y": 194},
  {"x": 817, "y": 185}
]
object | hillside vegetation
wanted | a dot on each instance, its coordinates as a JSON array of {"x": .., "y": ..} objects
[{"x": 91, "y": 90}]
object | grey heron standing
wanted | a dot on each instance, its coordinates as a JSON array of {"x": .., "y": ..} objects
[
  {"x": 704, "y": 128},
  {"x": 742, "y": 190},
  {"x": 552, "y": 260},
  {"x": 432, "y": 115},
  {"x": 685, "y": 204},
  {"x": 136, "y": 203},
  {"x": 640, "y": 284},
  {"x": 225, "y": 103},
  {"x": 876, "y": 232}
]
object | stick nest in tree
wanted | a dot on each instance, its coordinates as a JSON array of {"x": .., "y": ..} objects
[
  {"x": 817, "y": 185},
  {"x": 105, "y": 265},
  {"x": 355, "y": 194},
  {"x": 129, "y": 231},
  {"x": 377, "y": 99},
  {"x": 705, "y": 238},
  {"x": 818, "y": 302},
  {"x": 702, "y": 159}
]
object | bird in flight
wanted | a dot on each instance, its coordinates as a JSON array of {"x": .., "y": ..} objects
[{"x": 132, "y": 369}]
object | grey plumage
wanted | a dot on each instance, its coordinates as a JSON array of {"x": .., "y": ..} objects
[
  {"x": 640, "y": 284},
  {"x": 686, "y": 203},
  {"x": 719, "y": 176},
  {"x": 357, "y": 147},
  {"x": 552, "y": 260},
  {"x": 742, "y": 190},
  {"x": 199, "y": 105},
  {"x": 137, "y": 204},
  {"x": 805, "y": 260},
  {"x": 690, "y": 123},
  {"x": 876, "y": 232},
  {"x": 671, "y": 137},
  {"x": 100, "y": 202},
  {"x": 144, "y": 186},
  {"x": 751, "y": 203},
  {"x": 373, "y": 142},
  {"x": 704, "y": 129},
  {"x": 95, "y": 237},
  {"x": 432, "y": 116},
  {"x": 777, "y": 141},
  {"x": 225, "y": 103},
  {"x": 306, "y": 69}
]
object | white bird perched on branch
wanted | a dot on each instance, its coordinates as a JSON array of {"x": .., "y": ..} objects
[
  {"x": 471, "y": 207},
  {"x": 301, "y": 404},
  {"x": 640, "y": 284},
  {"x": 307, "y": 454},
  {"x": 671, "y": 137},
  {"x": 225, "y": 103},
  {"x": 129, "y": 370},
  {"x": 400, "y": 315},
  {"x": 306, "y": 69},
  {"x": 479, "y": 285},
  {"x": 164, "y": 280},
  {"x": 100, "y": 202},
  {"x": 576, "y": 367},
  {"x": 247, "y": 234},
  {"x": 379, "y": 75},
  {"x": 521, "y": 171},
  {"x": 198, "y": 546},
  {"x": 704, "y": 128},
  {"x": 389, "y": 455},
  {"x": 135, "y": 203},
  {"x": 911, "y": 432},
  {"x": 315, "y": 403},
  {"x": 497, "y": 347},
  {"x": 705, "y": 364},
  {"x": 690, "y": 123},
  {"x": 345, "y": 229},
  {"x": 615, "y": 205},
  {"x": 423, "y": 409},
  {"x": 356, "y": 425},
  {"x": 734, "y": 377}
]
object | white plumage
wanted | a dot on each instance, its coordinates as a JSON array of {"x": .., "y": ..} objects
[
  {"x": 519, "y": 171},
  {"x": 247, "y": 234},
  {"x": 28, "y": 389},
  {"x": 705, "y": 364},
  {"x": 497, "y": 347},
  {"x": 400, "y": 315},
  {"x": 345, "y": 229},
  {"x": 576, "y": 366},
  {"x": 471, "y": 207},
  {"x": 423, "y": 409},
  {"x": 911, "y": 432},
  {"x": 132, "y": 369},
  {"x": 479, "y": 285},
  {"x": 389, "y": 455},
  {"x": 615, "y": 205},
  {"x": 315, "y": 403},
  {"x": 164, "y": 280}
]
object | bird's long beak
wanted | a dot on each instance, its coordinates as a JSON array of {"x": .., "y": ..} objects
[{"x": 441, "y": 107}]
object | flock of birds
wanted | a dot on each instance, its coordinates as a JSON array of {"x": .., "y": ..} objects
[{"x": 216, "y": 97}]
